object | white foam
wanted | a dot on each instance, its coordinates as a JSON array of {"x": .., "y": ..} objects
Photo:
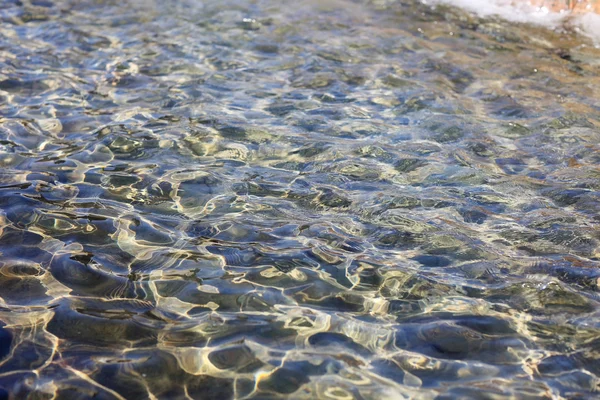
[
  {"x": 521, "y": 11},
  {"x": 590, "y": 25}
]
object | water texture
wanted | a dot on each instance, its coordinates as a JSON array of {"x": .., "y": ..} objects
[{"x": 268, "y": 199}]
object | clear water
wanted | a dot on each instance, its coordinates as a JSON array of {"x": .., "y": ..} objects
[{"x": 267, "y": 199}]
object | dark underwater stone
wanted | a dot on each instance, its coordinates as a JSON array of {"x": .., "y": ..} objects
[
  {"x": 432, "y": 261},
  {"x": 6, "y": 339}
]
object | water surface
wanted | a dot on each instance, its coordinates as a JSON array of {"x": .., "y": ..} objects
[{"x": 270, "y": 199}]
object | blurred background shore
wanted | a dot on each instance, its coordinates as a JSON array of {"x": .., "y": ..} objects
[{"x": 566, "y": 5}]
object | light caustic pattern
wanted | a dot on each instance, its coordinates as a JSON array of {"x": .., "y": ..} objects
[{"x": 295, "y": 199}]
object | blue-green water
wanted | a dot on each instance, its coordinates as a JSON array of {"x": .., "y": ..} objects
[{"x": 295, "y": 199}]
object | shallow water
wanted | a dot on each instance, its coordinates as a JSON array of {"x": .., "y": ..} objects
[{"x": 281, "y": 199}]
